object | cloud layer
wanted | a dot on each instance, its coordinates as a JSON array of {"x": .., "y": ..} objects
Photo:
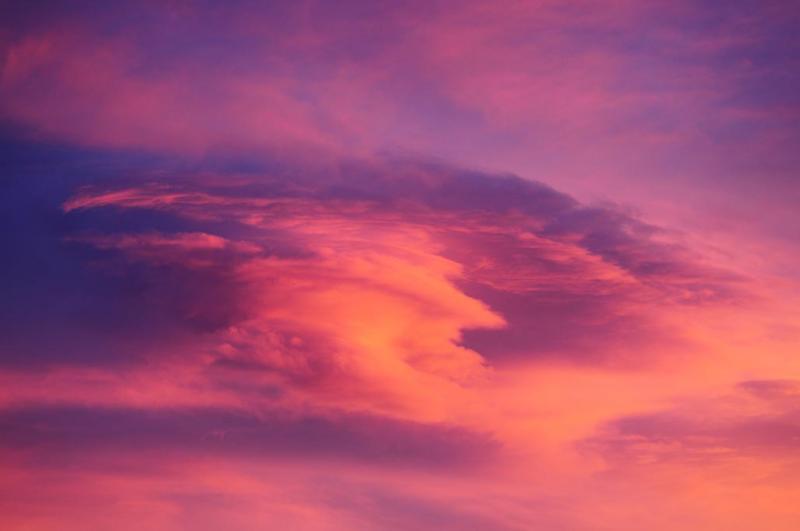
[{"x": 423, "y": 265}]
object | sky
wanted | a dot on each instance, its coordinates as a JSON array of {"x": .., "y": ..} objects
[{"x": 366, "y": 265}]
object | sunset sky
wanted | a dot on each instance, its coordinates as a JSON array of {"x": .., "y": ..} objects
[{"x": 360, "y": 265}]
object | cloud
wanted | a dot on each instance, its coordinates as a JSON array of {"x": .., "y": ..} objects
[
  {"x": 758, "y": 420},
  {"x": 394, "y": 286},
  {"x": 72, "y": 436},
  {"x": 241, "y": 289},
  {"x": 204, "y": 250},
  {"x": 682, "y": 108},
  {"x": 428, "y": 232}
]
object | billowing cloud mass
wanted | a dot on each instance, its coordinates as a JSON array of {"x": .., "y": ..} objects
[{"x": 424, "y": 265}]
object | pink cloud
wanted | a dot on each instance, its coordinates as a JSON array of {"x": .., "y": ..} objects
[{"x": 226, "y": 306}]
